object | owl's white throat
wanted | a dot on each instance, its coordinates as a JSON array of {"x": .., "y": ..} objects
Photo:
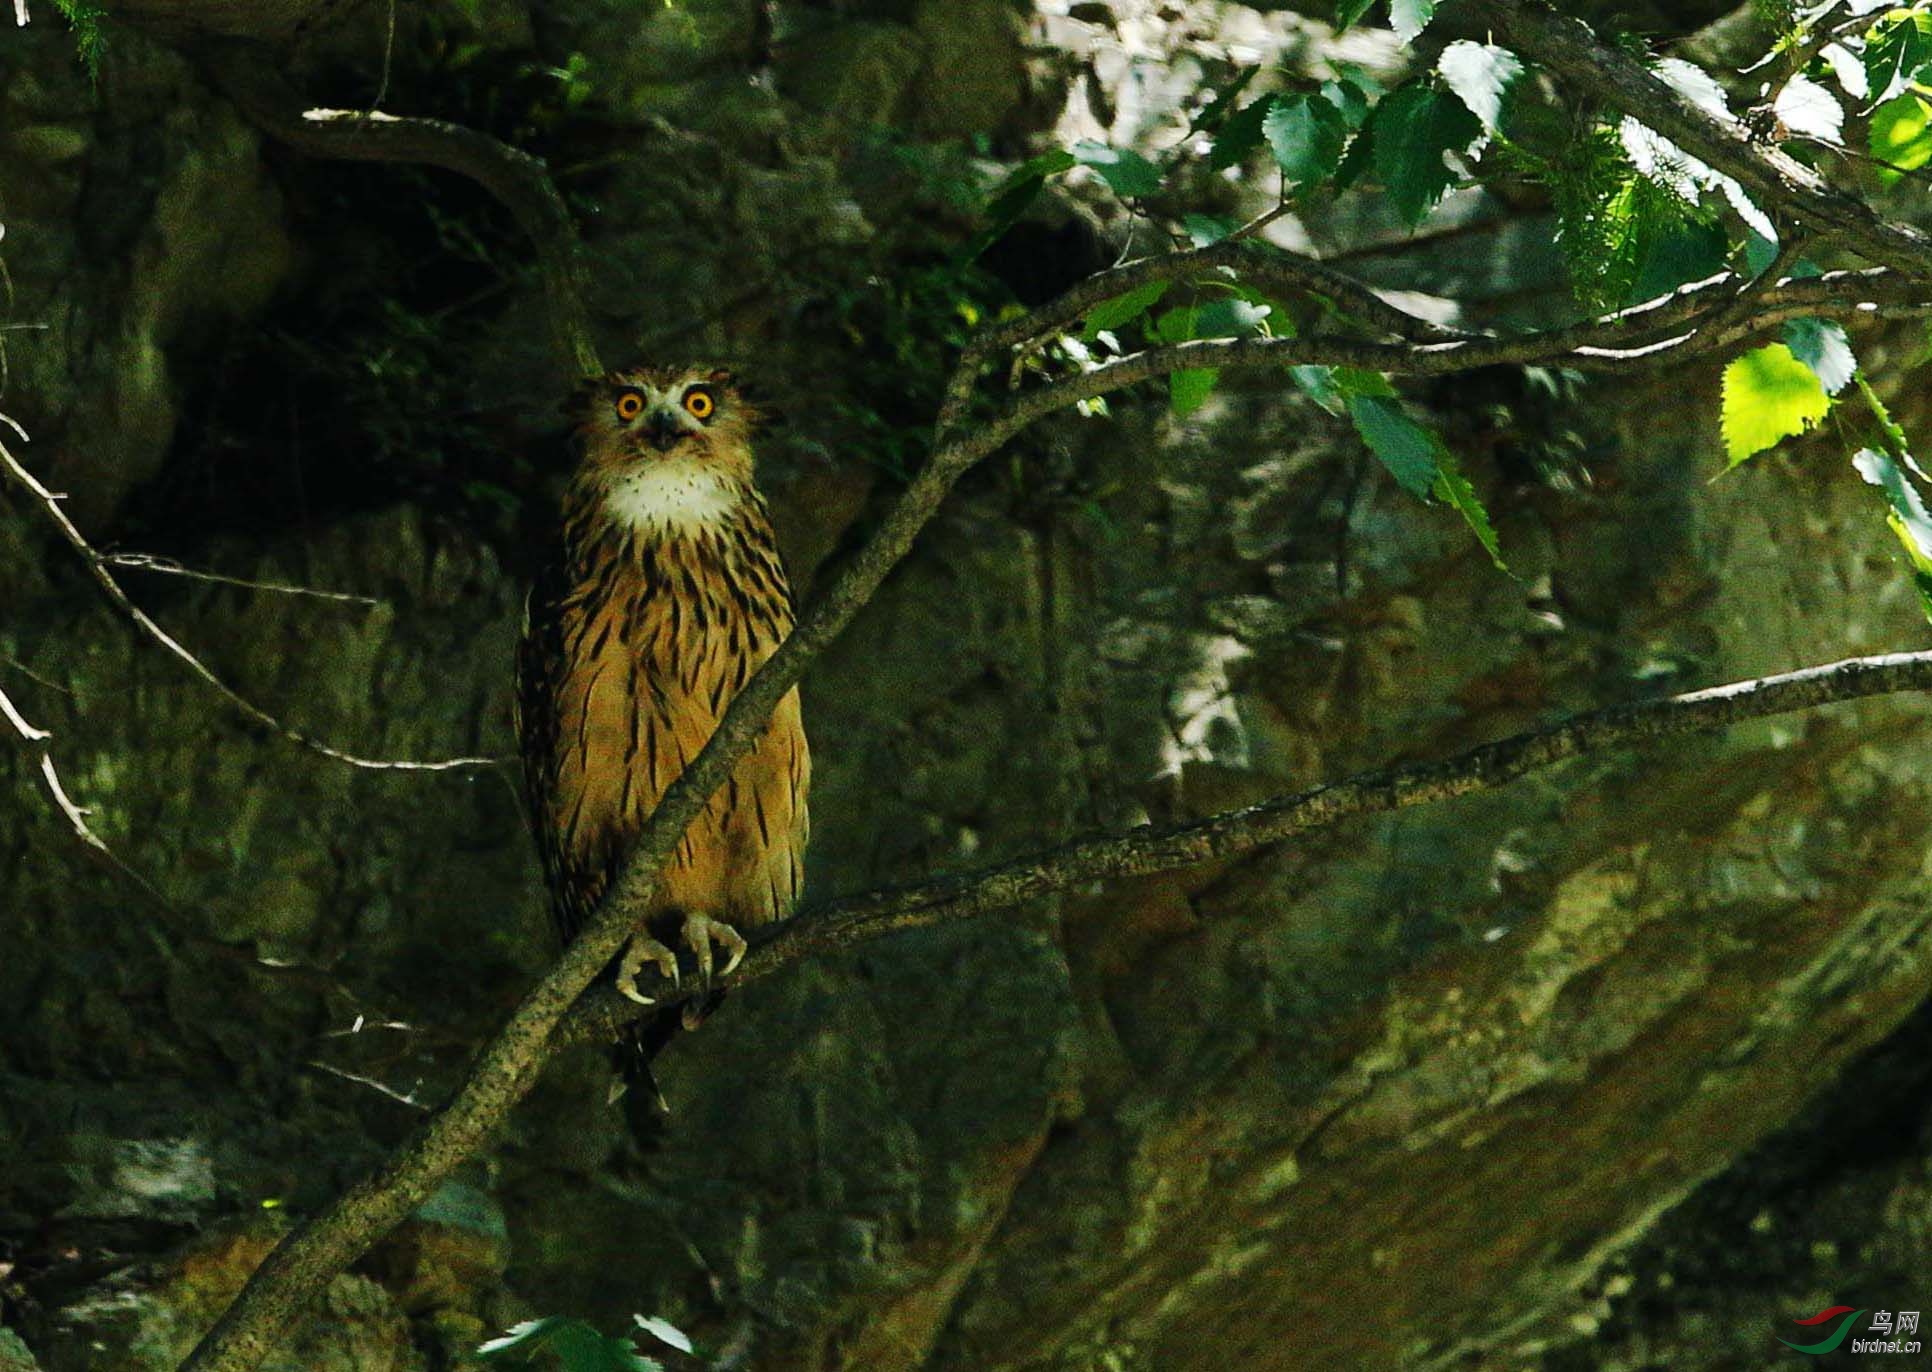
[{"x": 671, "y": 497}]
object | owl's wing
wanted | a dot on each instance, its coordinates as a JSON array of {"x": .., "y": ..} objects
[{"x": 539, "y": 664}]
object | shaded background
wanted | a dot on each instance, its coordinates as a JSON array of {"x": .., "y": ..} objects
[{"x": 1621, "y": 1067}]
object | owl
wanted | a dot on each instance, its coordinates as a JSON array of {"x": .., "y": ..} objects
[{"x": 664, "y": 594}]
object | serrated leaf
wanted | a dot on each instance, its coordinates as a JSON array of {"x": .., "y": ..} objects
[
  {"x": 1694, "y": 84},
  {"x": 1125, "y": 171},
  {"x": 664, "y": 1332},
  {"x": 526, "y": 1334},
  {"x": 1318, "y": 384},
  {"x": 1415, "y": 127},
  {"x": 1407, "y": 449},
  {"x": 1848, "y": 69},
  {"x": 1658, "y": 159},
  {"x": 1410, "y": 17},
  {"x": 1241, "y": 135},
  {"x": 1350, "y": 101},
  {"x": 1306, "y": 135},
  {"x": 1480, "y": 74},
  {"x": 1909, "y": 521},
  {"x": 1822, "y": 346},
  {"x": 1188, "y": 390},
  {"x": 1806, "y": 107},
  {"x": 1453, "y": 488},
  {"x": 1123, "y": 309},
  {"x": 1894, "y": 57},
  {"x": 1769, "y": 395}
]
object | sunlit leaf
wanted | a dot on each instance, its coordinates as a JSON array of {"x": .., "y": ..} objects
[
  {"x": 1318, "y": 384},
  {"x": 1228, "y": 318},
  {"x": 1480, "y": 74},
  {"x": 1822, "y": 346},
  {"x": 1694, "y": 84},
  {"x": 1407, "y": 449},
  {"x": 1900, "y": 135},
  {"x": 1885, "y": 473},
  {"x": 1203, "y": 229},
  {"x": 1415, "y": 128},
  {"x": 524, "y": 1335},
  {"x": 1806, "y": 107},
  {"x": 1894, "y": 57},
  {"x": 1850, "y": 71},
  {"x": 664, "y": 1331},
  {"x": 1125, "y": 171},
  {"x": 1410, "y": 17},
  {"x": 1123, "y": 309},
  {"x": 1769, "y": 395}
]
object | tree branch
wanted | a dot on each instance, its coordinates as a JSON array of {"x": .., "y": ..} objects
[
  {"x": 1566, "y": 47},
  {"x": 97, "y": 567},
  {"x": 514, "y": 178},
  {"x": 1149, "y": 849}
]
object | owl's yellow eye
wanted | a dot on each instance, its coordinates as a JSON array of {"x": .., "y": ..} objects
[
  {"x": 630, "y": 405},
  {"x": 699, "y": 403}
]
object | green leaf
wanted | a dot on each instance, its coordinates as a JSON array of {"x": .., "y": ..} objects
[
  {"x": 1453, "y": 488},
  {"x": 1349, "y": 100},
  {"x": 528, "y": 1334},
  {"x": 1123, "y": 309},
  {"x": 1222, "y": 105},
  {"x": 1188, "y": 390},
  {"x": 1241, "y": 135},
  {"x": 1907, "y": 518},
  {"x": 1125, "y": 171},
  {"x": 1013, "y": 200},
  {"x": 1415, "y": 128},
  {"x": 1037, "y": 169},
  {"x": 1894, "y": 57},
  {"x": 1176, "y": 325},
  {"x": 1306, "y": 134},
  {"x": 1410, "y": 17},
  {"x": 1203, "y": 229},
  {"x": 1407, "y": 449},
  {"x": 1768, "y": 396},
  {"x": 1349, "y": 13},
  {"x": 1908, "y": 508},
  {"x": 1360, "y": 381},
  {"x": 1480, "y": 74},
  {"x": 1228, "y": 318},
  {"x": 1822, "y": 346},
  {"x": 1900, "y": 134},
  {"x": 1318, "y": 384}
]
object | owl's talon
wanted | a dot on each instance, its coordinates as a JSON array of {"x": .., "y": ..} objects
[
  {"x": 642, "y": 949},
  {"x": 700, "y": 931}
]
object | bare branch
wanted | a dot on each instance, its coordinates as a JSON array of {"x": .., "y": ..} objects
[
  {"x": 1780, "y": 183},
  {"x": 1149, "y": 849},
  {"x": 516, "y": 179},
  {"x": 150, "y": 562},
  {"x": 49, "y": 503}
]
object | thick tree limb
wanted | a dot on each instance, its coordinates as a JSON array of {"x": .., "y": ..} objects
[
  {"x": 1149, "y": 849},
  {"x": 1781, "y": 183}
]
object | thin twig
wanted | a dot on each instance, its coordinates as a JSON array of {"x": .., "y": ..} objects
[
  {"x": 97, "y": 567},
  {"x": 151, "y": 562},
  {"x": 404, "y": 1098}
]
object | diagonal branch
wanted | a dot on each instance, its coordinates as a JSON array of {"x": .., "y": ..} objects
[
  {"x": 1149, "y": 849},
  {"x": 97, "y": 567},
  {"x": 1779, "y": 181}
]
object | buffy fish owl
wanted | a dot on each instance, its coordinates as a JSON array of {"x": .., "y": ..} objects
[{"x": 665, "y": 593}]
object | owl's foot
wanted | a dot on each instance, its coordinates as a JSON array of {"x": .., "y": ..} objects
[
  {"x": 642, "y": 949},
  {"x": 700, "y": 931}
]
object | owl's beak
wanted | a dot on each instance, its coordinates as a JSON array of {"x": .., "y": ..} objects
[{"x": 663, "y": 429}]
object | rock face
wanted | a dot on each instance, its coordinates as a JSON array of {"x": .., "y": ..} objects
[{"x": 1421, "y": 1092}]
